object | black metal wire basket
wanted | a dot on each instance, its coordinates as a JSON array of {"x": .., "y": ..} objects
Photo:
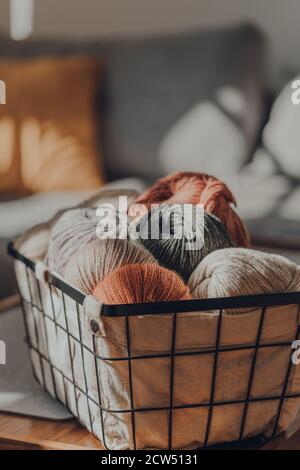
[{"x": 103, "y": 355}]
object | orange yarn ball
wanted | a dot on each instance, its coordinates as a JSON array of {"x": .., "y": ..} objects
[
  {"x": 197, "y": 188},
  {"x": 139, "y": 283}
]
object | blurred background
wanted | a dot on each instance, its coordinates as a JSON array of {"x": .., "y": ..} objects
[
  {"x": 120, "y": 93},
  {"x": 78, "y": 19}
]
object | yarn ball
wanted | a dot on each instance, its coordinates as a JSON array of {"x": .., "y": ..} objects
[
  {"x": 196, "y": 188},
  {"x": 96, "y": 260},
  {"x": 239, "y": 271},
  {"x": 140, "y": 283},
  {"x": 76, "y": 227},
  {"x": 178, "y": 252}
]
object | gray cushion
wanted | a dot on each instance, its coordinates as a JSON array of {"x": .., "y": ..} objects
[{"x": 153, "y": 82}]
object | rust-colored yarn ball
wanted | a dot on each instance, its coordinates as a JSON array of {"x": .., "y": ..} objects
[
  {"x": 140, "y": 283},
  {"x": 196, "y": 188}
]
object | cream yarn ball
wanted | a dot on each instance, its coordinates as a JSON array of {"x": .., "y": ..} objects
[
  {"x": 99, "y": 258},
  {"x": 74, "y": 228},
  {"x": 240, "y": 271}
]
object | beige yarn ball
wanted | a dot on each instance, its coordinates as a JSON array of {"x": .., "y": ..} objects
[
  {"x": 239, "y": 271},
  {"x": 96, "y": 260}
]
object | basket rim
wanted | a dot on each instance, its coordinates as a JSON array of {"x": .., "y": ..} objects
[{"x": 163, "y": 307}]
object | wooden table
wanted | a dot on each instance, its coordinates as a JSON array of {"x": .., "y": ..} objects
[
  {"x": 20, "y": 432},
  {"x": 23, "y": 433}
]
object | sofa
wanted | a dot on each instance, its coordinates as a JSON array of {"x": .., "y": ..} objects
[{"x": 194, "y": 101}]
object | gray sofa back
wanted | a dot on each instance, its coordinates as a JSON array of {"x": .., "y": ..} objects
[{"x": 153, "y": 82}]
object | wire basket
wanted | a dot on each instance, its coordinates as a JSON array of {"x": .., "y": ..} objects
[{"x": 169, "y": 375}]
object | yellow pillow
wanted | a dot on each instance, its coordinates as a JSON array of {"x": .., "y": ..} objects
[{"x": 47, "y": 126}]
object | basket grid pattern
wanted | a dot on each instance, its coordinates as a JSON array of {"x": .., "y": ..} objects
[{"x": 34, "y": 307}]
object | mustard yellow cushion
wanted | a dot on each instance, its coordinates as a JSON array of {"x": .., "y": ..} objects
[{"x": 47, "y": 126}]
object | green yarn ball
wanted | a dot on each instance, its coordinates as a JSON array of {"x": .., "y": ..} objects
[{"x": 205, "y": 234}]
